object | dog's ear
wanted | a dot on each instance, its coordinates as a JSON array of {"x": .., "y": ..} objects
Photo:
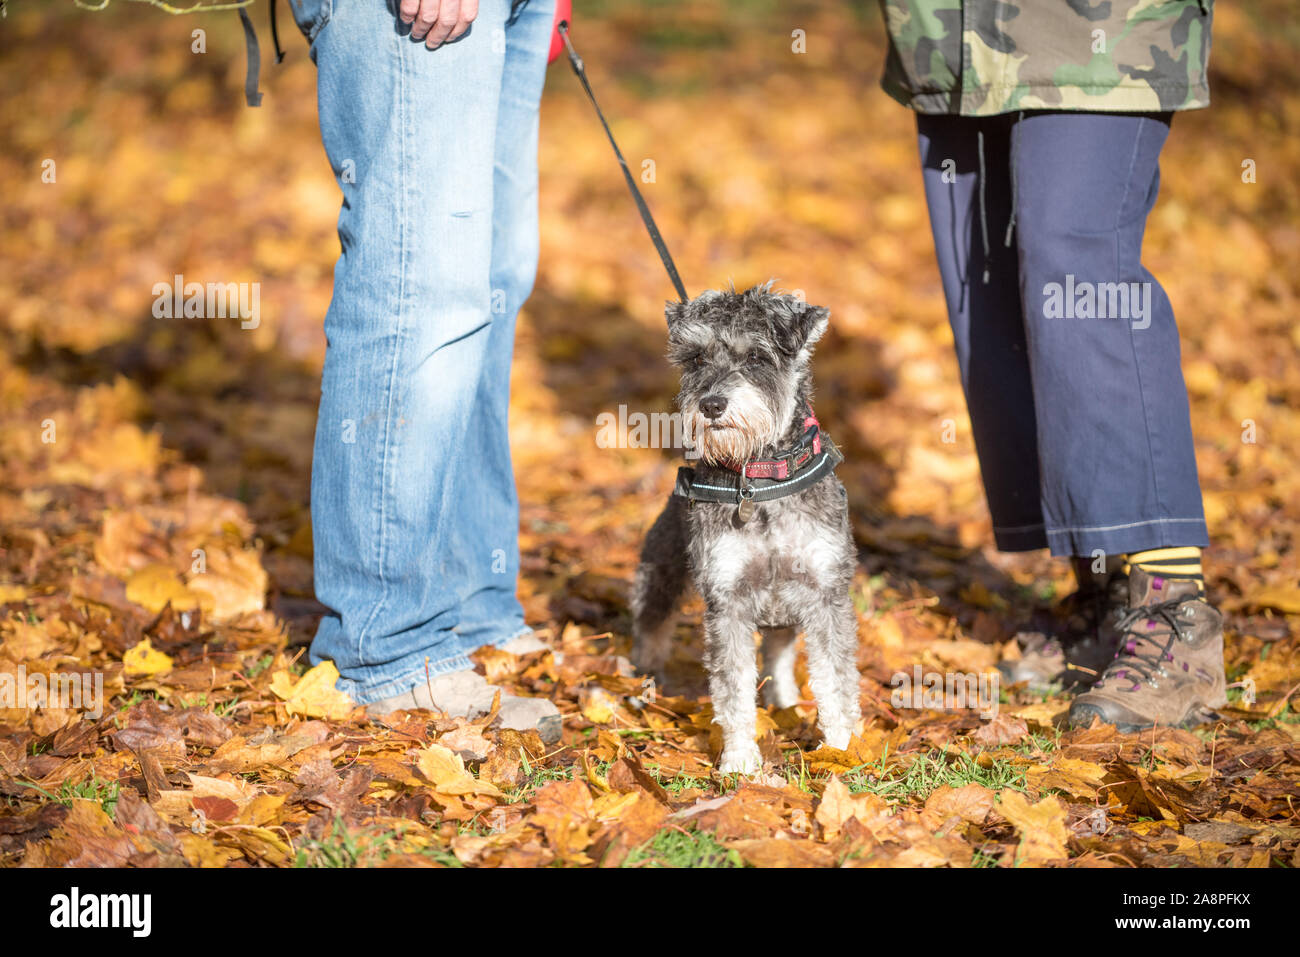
[{"x": 800, "y": 325}]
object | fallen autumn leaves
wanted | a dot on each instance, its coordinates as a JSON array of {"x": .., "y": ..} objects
[
  {"x": 272, "y": 770},
  {"x": 161, "y": 539}
]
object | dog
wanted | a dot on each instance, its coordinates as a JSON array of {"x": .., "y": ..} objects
[{"x": 761, "y": 525}]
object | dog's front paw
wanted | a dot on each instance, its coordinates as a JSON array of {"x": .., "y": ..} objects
[
  {"x": 741, "y": 759},
  {"x": 838, "y": 739}
]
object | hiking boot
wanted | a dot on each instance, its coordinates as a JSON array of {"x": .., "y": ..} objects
[
  {"x": 467, "y": 694},
  {"x": 1081, "y": 648},
  {"x": 1168, "y": 669}
]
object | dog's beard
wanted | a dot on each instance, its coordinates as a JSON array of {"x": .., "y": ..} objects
[{"x": 738, "y": 435}]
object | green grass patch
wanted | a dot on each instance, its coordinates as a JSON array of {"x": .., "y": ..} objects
[
  {"x": 536, "y": 777},
  {"x": 678, "y": 848},
  {"x": 104, "y": 793},
  {"x": 897, "y": 782},
  {"x": 362, "y": 848},
  {"x": 675, "y": 783}
]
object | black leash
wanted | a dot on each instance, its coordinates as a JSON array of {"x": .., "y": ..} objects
[
  {"x": 576, "y": 62},
  {"x": 275, "y": 35}
]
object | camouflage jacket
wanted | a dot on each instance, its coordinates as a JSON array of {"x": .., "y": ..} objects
[{"x": 982, "y": 57}]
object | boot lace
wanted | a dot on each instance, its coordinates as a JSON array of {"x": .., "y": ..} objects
[{"x": 1137, "y": 630}]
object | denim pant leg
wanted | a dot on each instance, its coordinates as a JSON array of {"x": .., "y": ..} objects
[
  {"x": 988, "y": 329},
  {"x": 1117, "y": 461},
  {"x": 412, "y": 135},
  {"x": 485, "y": 528}
]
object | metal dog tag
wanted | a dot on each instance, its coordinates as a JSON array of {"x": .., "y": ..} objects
[{"x": 745, "y": 510}]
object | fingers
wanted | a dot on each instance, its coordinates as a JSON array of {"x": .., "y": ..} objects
[
  {"x": 423, "y": 16},
  {"x": 408, "y": 9},
  {"x": 447, "y": 17},
  {"x": 468, "y": 11},
  {"x": 438, "y": 21}
]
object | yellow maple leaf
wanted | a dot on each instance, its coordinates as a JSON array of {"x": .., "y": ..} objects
[
  {"x": 838, "y": 805},
  {"x": 1041, "y": 715},
  {"x": 970, "y": 802},
  {"x": 445, "y": 770},
  {"x": 199, "y": 851},
  {"x": 155, "y": 586},
  {"x": 313, "y": 695},
  {"x": 865, "y": 748},
  {"x": 1041, "y": 827},
  {"x": 234, "y": 582},
  {"x": 1079, "y": 778},
  {"x": 610, "y": 807},
  {"x": 564, "y": 812},
  {"x": 144, "y": 659}
]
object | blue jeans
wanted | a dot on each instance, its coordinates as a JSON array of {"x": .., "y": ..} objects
[
  {"x": 1069, "y": 351},
  {"x": 414, "y": 512}
]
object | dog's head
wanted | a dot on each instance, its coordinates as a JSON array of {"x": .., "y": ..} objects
[{"x": 744, "y": 363}]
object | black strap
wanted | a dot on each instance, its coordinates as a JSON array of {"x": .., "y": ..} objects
[
  {"x": 275, "y": 34},
  {"x": 254, "y": 60},
  {"x": 576, "y": 62},
  {"x": 725, "y": 485}
]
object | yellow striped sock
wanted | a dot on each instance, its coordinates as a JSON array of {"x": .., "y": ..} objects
[{"x": 1183, "y": 562}]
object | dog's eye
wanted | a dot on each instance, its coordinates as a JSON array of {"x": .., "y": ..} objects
[
  {"x": 697, "y": 359},
  {"x": 754, "y": 358}
]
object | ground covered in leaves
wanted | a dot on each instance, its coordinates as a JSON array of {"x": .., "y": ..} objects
[{"x": 153, "y": 473}]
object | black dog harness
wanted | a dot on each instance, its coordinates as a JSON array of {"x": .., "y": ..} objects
[{"x": 807, "y": 462}]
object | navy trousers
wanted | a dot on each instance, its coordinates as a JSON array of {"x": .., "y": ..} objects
[{"x": 1068, "y": 348}]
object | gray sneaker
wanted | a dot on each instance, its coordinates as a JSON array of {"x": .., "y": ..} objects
[{"x": 467, "y": 694}]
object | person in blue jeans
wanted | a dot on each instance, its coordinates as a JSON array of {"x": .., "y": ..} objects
[{"x": 429, "y": 117}]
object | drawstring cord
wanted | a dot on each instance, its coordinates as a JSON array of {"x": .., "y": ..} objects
[
  {"x": 254, "y": 53},
  {"x": 251, "y": 95},
  {"x": 983, "y": 176},
  {"x": 275, "y": 35},
  {"x": 984, "y": 216}
]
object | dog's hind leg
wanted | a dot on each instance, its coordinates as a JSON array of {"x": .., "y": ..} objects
[
  {"x": 831, "y": 637},
  {"x": 661, "y": 578},
  {"x": 780, "y": 690}
]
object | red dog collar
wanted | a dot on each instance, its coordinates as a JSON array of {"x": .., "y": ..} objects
[{"x": 791, "y": 461}]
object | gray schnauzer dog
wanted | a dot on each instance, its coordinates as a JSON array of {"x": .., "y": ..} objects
[{"x": 761, "y": 525}]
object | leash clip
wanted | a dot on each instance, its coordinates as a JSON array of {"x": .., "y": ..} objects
[{"x": 576, "y": 61}]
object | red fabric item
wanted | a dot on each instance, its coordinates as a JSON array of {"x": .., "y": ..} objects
[
  {"x": 563, "y": 11},
  {"x": 780, "y": 469}
]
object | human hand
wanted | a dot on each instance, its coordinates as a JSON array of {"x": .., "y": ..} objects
[{"x": 438, "y": 21}]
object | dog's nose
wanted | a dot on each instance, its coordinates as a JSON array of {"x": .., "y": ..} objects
[{"x": 713, "y": 406}]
